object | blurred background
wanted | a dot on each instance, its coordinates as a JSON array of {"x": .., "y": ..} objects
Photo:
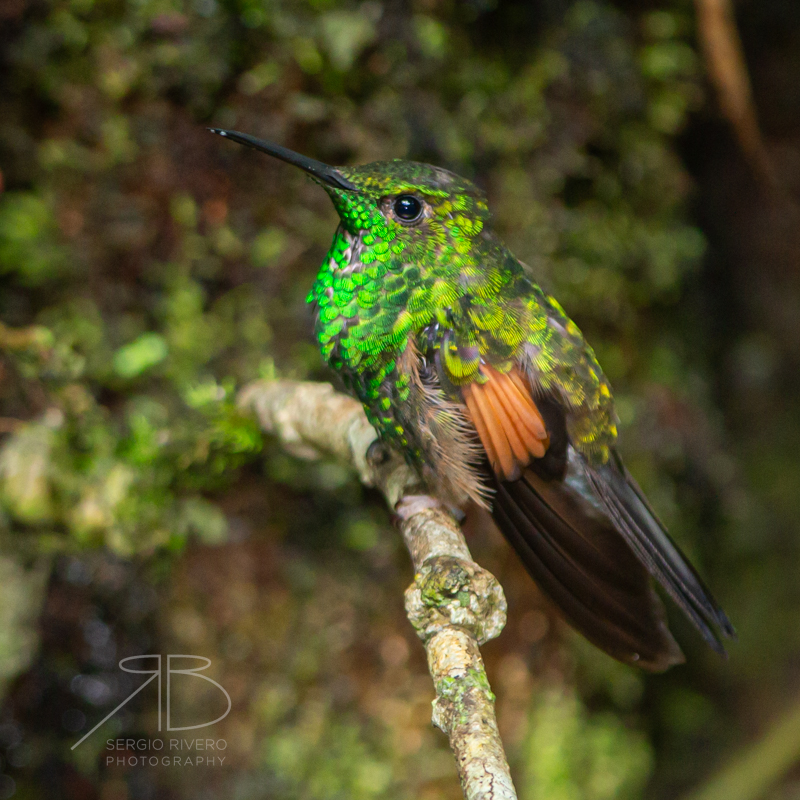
[{"x": 148, "y": 270}]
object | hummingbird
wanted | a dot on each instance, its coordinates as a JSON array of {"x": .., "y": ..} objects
[{"x": 491, "y": 393}]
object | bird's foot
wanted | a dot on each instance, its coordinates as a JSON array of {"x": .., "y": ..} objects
[{"x": 411, "y": 504}]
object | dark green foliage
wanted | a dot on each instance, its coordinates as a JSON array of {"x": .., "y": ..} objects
[{"x": 148, "y": 270}]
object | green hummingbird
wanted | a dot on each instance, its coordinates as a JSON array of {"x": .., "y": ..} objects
[{"x": 489, "y": 390}]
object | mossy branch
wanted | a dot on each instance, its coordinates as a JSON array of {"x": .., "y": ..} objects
[{"x": 453, "y": 604}]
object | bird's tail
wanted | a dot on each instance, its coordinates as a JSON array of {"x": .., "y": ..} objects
[{"x": 579, "y": 559}]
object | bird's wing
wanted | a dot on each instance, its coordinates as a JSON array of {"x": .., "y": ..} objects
[
  {"x": 586, "y": 535},
  {"x": 632, "y": 516},
  {"x": 508, "y": 421}
]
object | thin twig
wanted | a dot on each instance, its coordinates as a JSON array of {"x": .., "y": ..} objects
[
  {"x": 34, "y": 337},
  {"x": 453, "y": 604},
  {"x": 727, "y": 70}
]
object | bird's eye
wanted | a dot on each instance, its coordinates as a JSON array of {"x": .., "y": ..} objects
[{"x": 407, "y": 208}]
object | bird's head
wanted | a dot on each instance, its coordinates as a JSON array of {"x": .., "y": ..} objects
[{"x": 394, "y": 207}]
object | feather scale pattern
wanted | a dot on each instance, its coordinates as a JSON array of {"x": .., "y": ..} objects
[{"x": 490, "y": 391}]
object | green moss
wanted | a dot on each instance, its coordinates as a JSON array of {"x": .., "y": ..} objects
[
  {"x": 29, "y": 245},
  {"x": 161, "y": 270},
  {"x": 456, "y": 690},
  {"x": 443, "y": 581},
  {"x": 576, "y": 756}
]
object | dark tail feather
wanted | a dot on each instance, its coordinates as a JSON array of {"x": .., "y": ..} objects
[
  {"x": 649, "y": 540},
  {"x": 583, "y": 564}
]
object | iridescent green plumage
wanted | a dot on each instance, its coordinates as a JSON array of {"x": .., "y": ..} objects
[
  {"x": 385, "y": 283},
  {"x": 490, "y": 391}
]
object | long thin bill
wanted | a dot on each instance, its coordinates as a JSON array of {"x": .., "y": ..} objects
[{"x": 320, "y": 171}]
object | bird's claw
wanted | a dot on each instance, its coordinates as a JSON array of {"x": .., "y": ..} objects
[{"x": 412, "y": 504}]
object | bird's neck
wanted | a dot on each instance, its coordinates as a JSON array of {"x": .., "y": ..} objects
[{"x": 372, "y": 293}]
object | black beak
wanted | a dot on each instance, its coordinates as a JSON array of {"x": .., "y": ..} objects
[{"x": 322, "y": 172}]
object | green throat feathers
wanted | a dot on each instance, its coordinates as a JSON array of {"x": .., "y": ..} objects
[{"x": 444, "y": 284}]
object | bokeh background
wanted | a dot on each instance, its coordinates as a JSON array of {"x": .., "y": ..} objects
[{"x": 149, "y": 270}]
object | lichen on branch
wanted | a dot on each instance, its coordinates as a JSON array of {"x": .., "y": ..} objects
[{"x": 453, "y": 604}]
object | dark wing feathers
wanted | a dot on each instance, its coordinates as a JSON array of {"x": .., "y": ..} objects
[
  {"x": 653, "y": 546},
  {"x": 579, "y": 560},
  {"x": 586, "y": 534}
]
